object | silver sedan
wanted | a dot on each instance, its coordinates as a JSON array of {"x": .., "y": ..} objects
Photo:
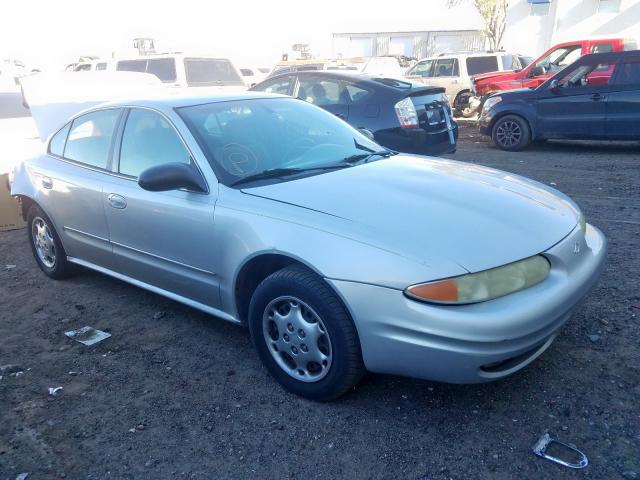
[{"x": 339, "y": 255}]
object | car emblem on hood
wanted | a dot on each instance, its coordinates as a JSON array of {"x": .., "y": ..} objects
[{"x": 576, "y": 248}]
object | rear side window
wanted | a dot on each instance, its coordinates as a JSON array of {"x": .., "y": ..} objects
[
  {"x": 149, "y": 140},
  {"x": 446, "y": 67},
  {"x": 101, "y": 66},
  {"x": 246, "y": 72},
  {"x": 602, "y": 48},
  {"x": 477, "y": 65},
  {"x": 628, "y": 74},
  {"x": 163, "y": 68},
  {"x": 56, "y": 145},
  {"x": 355, "y": 93},
  {"x": 90, "y": 136},
  {"x": 319, "y": 92},
  {"x": 210, "y": 71}
]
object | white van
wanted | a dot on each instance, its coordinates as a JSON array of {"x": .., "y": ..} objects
[{"x": 181, "y": 71}]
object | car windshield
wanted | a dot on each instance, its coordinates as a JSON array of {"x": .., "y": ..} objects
[{"x": 274, "y": 138}]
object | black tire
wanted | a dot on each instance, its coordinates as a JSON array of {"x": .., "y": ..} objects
[
  {"x": 461, "y": 105},
  {"x": 511, "y": 133},
  {"x": 59, "y": 268},
  {"x": 299, "y": 283}
]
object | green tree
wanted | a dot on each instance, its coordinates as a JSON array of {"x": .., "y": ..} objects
[{"x": 494, "y": 16}]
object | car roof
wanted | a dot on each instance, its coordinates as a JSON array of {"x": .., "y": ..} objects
[
  {"x": 632, "y": 55},
  {"x": 356, "y": 76},
  {"x": 171, "y": 102},
  {"x": 466, "y": 54}
]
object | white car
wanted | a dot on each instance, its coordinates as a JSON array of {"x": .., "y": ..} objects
[{"x": 453, "y": 72}]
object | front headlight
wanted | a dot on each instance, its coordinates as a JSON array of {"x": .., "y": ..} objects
[
  {"x": 483, "y": 286},
  {"x": 491, "y": 101}
]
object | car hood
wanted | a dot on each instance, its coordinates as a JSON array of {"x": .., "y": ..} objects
[{"x": 423, "y": 208}]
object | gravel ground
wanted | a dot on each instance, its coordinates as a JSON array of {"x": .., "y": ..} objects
[{"x": 177, "y": 394}]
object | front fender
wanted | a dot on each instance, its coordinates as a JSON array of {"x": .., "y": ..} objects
[{"x": 250, "y": 226}]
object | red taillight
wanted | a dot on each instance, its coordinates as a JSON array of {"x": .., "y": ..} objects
[{"x": 406, "y": 112}]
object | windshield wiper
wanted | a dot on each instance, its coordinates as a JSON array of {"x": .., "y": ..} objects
[
  {"x": 284, "y": 172},
  {"x": 365, "y": 157}
]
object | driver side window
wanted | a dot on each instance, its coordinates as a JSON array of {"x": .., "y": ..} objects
[{"x": 149, "y": 140}]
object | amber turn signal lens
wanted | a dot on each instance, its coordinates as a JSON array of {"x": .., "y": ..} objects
[{"x": 443, "y": 291}]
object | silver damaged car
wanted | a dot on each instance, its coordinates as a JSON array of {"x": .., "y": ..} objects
[{"x": 339, "y": 255}]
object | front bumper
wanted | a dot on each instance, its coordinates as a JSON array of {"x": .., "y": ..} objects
[{"x": 479, "y": 342}]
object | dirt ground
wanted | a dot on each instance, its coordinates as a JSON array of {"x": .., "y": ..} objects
[{"x": 177, "y": 394}]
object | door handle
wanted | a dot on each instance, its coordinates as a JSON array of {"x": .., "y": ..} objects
[
  {"x": 117, "y": 201},
  {"x": 596, "y": 96},
  {"x": 47, "y": 183}
]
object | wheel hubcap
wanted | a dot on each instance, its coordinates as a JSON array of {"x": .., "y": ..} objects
[
  {"x": 508, "y": 133},
  {"x": 43, "y": 242},
  {"x": 297, "y": 339}
]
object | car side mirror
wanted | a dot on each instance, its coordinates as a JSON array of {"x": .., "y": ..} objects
[
  {"x": 172, "y": 176},
  {"x": 367, "y": 133},
  {"x": 554, "y": 85}
]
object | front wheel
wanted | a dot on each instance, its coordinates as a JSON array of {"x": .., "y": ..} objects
[
  {"x": 304, "y": 335},
  {"x": 511, "y": 133}
]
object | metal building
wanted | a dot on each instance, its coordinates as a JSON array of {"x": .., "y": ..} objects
[{"x": 417, "y": 44}]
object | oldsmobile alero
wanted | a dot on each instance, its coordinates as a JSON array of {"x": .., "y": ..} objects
[{"x": 339, "y": 255}]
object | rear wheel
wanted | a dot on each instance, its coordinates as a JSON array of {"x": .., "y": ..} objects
[
  {"x": 461, "y": 105},
  {"x": 46, "y": 245},
  {"x": 511, "y": 133},
  {"x": 304, "y": 335}
]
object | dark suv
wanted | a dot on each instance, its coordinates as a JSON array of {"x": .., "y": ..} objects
[
  {"x": 596, "y": 98},
  {"x": 400, "y": 115}
]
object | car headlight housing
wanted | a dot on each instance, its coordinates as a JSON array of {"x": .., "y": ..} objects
[
  {"x": 483, "y": 286},
  {"x": 491, "y": 102}
]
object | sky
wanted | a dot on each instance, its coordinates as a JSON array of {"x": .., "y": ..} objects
[{"x": 48, "y": 34}]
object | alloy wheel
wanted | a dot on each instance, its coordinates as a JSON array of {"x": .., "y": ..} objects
[
  {"x": 508, "y": 134},
  {"x": 43, "y": 242}
]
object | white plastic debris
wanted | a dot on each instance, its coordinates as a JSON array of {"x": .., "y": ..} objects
[
  {"x": 22, "y": 476},
  {"x": 87, "y": 335},
  {"x": 54, "y": 390},
  {"x": 10, "y": 267}
]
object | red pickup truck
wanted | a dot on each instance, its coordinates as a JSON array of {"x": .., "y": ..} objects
[{"x": 548, "y": 64}]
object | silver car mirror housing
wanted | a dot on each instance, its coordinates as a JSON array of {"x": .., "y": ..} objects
[{"x": 172, "y": 176}]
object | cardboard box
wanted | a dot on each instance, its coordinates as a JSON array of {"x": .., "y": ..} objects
[{"x": 10, "y": 210}]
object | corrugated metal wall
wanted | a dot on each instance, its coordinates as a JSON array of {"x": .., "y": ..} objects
[{"x": 423, "y": 44}]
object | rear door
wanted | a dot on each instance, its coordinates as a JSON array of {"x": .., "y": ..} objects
[
  {"x": 81, "y": 156},
  {"x": 577, "y": 107},
  {"x": 325, "y": 92},
  {"x": 623, "y": 106},
  {"x": 164, "y": 239}
]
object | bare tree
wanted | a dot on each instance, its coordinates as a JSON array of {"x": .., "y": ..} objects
[{"x": 494, "y": 15}]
